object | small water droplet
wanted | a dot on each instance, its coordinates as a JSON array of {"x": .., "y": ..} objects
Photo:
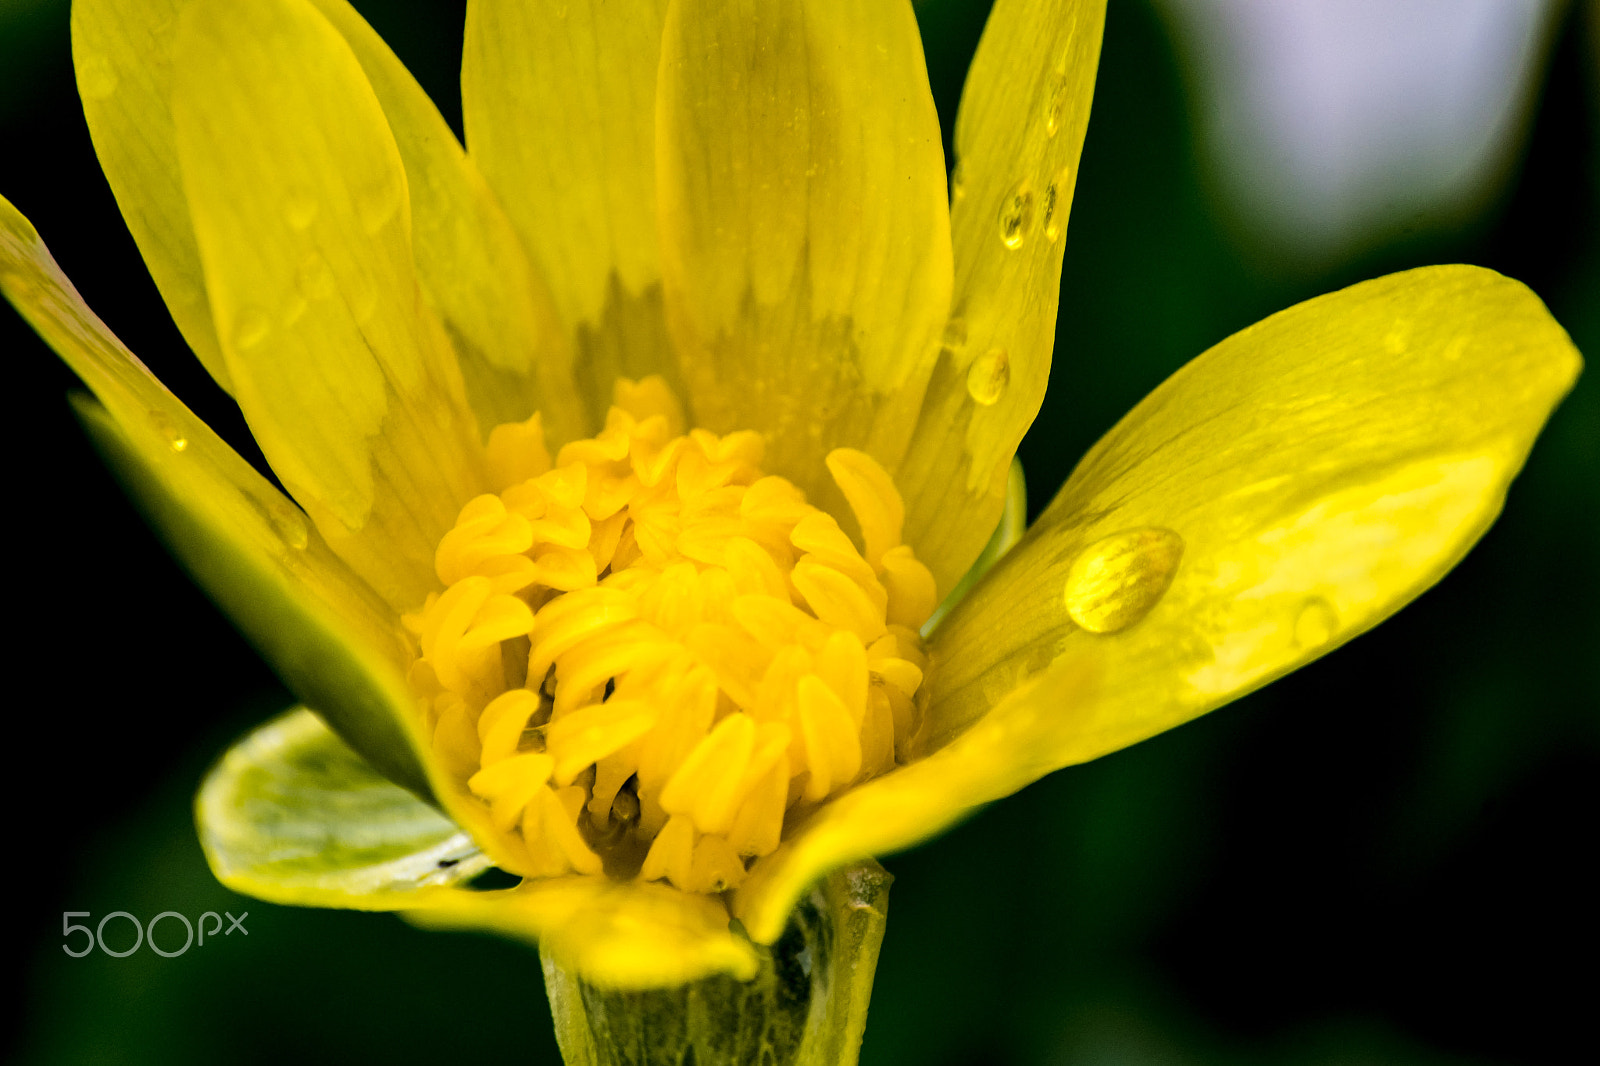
[
  {"x": 300, "y": 209},
  {"x": 251, "y": 328},
  {"x": 1054, "y": 217},
  {"x": 169, "y": 430},
  {"x": 1016, "y": 215},
  {"x": 293, "y": 311},
  {"x": 290, "y": 523},
  {"x": 379, "y": 203},
  {"x": 955, "y": 335},
  {"x": 1398, "y": 338},
  {"x": 1054, "y": 104},
  {"x": 958, "y": 181},
  {"x": 97, "y": 78},
  {"x": 1316, "y": 623},
  {"x": 1117, "y": 580},
  {"x": 314, "y": 278},
  {"x": 988, "y": 376}
]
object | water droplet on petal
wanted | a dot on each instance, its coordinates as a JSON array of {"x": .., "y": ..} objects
[
  {"x": 1398, "y": 339},
  {"x": 1016, "y": 215},
  {"x": 169, "y": 431},
  {"x": 958, "y": 181},
  {"x": 251, "y": 328},
  {"x": 1052, "y": 213},
  {"x": 1054, "y": 104},
  {"x": 314, "y": 278},
  {"x": 300, "y": 209},
  {"x": 988, "y": 376},
  {"x": 1316, "y": 623},
  {"x": 290, "y": 523},
  {"x": 378, "y": 204},
  {"x": 955, "y": 336},
  {"x": 97, "y": 78},
  {"x": 1117, "y": 580}
]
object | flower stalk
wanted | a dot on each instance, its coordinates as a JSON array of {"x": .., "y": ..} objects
[{"x": 806, "y": 1006}]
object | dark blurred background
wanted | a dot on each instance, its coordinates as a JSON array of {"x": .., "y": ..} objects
[{"x": 1379, "y": 859}]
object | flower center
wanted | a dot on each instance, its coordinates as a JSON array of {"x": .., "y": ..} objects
[{"x": 648, "y": 656}]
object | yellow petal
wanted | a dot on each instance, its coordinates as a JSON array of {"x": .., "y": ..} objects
[
  {"x": 1296, "y": 485},
  {"x": 301, "y": 212},
  {"x": 328, "y": 635},
  {"x": 559, "y": 105},
  {"x": 992, "y": 759},
  {"x": 1318, "y": 471},
  {"x": 515, "y": 356},
  {"x": 805, "y": 233},
  {"x": 621, "y": 934},
  {"x": 122, "y": 54},
  {"x": 1018, "y": 136}
]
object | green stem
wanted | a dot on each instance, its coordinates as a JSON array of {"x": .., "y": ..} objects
[{"x": 807, "y": 1006}]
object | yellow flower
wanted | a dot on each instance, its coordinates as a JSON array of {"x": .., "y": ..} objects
[{"x": 631, "y": 453}]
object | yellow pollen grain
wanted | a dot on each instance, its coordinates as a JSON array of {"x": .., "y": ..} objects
[{"x": 646, "y": 654}]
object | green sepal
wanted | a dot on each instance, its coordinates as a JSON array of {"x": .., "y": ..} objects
[
  {"x": 1013, "y": 523},
  {"x": 292, "y": 815},
  {"x": 806, "y": 1006}
]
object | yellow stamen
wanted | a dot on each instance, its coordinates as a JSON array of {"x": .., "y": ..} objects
[{"x": 647, "y": 655}]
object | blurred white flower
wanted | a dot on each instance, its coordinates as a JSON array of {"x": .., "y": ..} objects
[{"x": 1332, "y": 122}]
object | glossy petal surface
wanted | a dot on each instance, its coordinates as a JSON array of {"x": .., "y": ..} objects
[
  {"x": 122, "y": 55},
  {"x": 1281, "y": 494},
  {"x": 301, "y": 211},
  {"x": 559, "y": 104},
  {"x": 1321, "y": 468},
  {"x": 514, "y": 353},
  {"x": 805, "y": 237},
  {"x": 1023, "y": 115}
]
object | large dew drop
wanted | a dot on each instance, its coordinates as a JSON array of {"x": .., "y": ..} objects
[
  {"x": 1116, "y": 581},
  {"x": 988, "y": 376}
]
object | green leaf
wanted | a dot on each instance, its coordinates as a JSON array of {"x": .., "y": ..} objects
[{"x": 292, "y": 815}]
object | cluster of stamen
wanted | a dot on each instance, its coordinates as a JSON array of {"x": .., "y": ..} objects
[{"x": 647, "y": 655}]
